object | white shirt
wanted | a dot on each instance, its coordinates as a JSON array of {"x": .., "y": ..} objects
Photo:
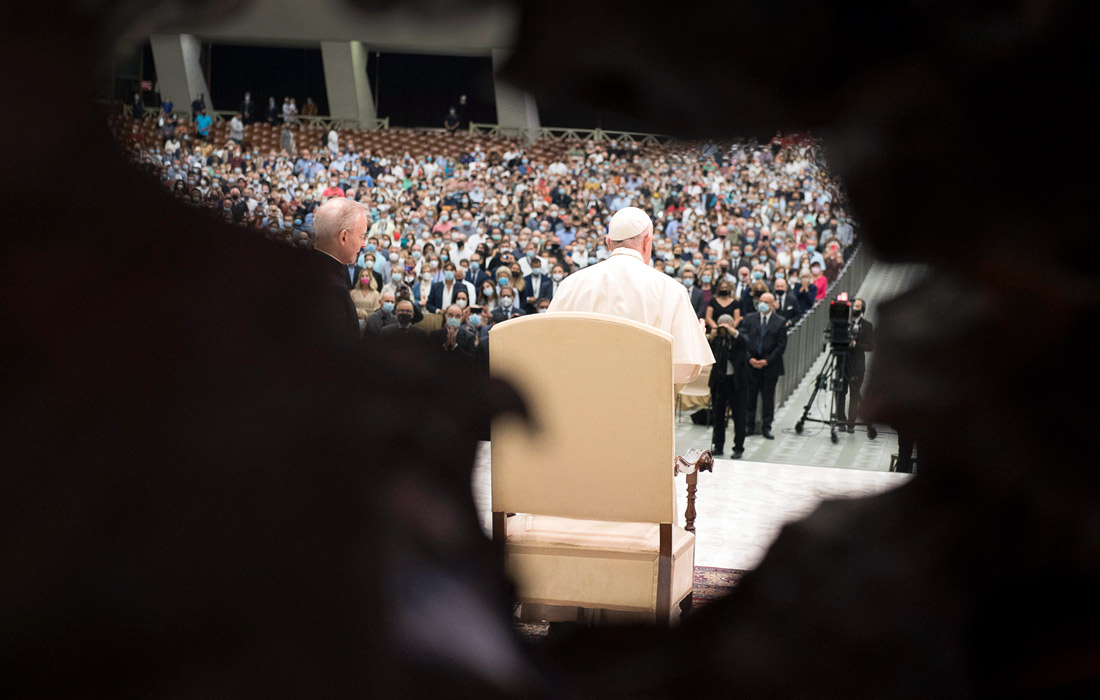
[{"x": 624, "y": 286}]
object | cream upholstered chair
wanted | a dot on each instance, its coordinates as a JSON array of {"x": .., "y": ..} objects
[{"x": 591, "y": 485}]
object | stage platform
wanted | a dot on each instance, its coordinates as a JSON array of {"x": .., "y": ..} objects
[{"x": 743, "y": 504}]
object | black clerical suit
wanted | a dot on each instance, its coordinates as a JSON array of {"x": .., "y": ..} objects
[
  {"x": 766, "y": 342},
  {"x": 337, "y": 315},
  {"x": 729, "y": 386},
  {"x": 855, "y": 368}
]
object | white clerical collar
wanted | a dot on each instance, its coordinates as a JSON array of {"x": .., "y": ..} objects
[{"x": 628, "y": 251}]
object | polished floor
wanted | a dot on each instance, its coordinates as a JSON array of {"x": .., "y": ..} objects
[{"x": 743, "y": 504}]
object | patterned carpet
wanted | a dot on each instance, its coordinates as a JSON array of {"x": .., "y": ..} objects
[{"x": 710, "y": 583}]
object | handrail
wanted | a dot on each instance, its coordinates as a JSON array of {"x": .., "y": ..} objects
[
  {"x": 564, "y": 133},
  {"x": 222, "y": 116},
  {"x": 806, "y": 340}
]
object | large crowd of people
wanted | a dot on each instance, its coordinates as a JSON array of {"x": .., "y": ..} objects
[{"x": 493, "y": 231}]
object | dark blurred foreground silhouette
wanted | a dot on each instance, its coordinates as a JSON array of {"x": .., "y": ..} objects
[{"x": 202, "y": 499}]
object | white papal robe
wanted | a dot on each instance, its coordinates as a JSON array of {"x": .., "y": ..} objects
[{"x": 624, "y": 286}]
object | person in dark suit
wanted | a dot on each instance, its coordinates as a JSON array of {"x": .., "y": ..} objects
[
  {"x": 476, "y": 275},
  {"x": 340, "y": 226},
  {"x": 786, "y": 303},
  {"x": 729, "y": 383},
  {"x": 383, "y": 316},
  {"x": 862, "y": 333},
  {"x": 352, "y": 274},
  {"x": 537, "y": 285},
  {"x": 456, "y": 342},
  {"x": 698, "y": 299},
  {"x": 404, "y": 327},
  {"x": 248, "y": 109},
  {"x": 742, "y": 291},
  {"x": 767, "y": 337},
  {"x": 442, "y": 293}
]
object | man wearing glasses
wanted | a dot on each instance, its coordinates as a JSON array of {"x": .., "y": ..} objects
[{"x": 340, "y": 227}]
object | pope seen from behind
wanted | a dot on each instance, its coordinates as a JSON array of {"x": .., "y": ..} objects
[{"x": 625, "y": 285}]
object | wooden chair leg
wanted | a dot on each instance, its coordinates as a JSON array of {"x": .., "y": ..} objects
[{"x": 692, "y": 487}]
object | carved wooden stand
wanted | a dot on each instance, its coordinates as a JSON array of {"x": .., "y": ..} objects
[{"x": 690, "y": 465}]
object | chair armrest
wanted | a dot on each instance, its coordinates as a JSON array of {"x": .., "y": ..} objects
[
  {"x": 690, "y": 465},
  {"x": 695, "y": 460}
]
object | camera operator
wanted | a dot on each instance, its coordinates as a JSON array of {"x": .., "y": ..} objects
[
  {"x": 729, "y": 382},
  {"x": 861, "y": 334}
]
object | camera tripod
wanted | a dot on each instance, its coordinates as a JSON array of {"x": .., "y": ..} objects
[{"x": 833, "y": 378}]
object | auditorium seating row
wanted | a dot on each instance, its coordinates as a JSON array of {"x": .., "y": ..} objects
[{"x": 394, "y": 142}]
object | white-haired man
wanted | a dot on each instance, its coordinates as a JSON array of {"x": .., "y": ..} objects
[
  {"x": 340, "y": 230},
  {"x": 625, "y": 285}
]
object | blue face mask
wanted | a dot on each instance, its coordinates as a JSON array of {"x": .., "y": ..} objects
[
  {"x": 530, "y": 255},
  {"x": 449, "y": 275},
  {"x": 388, "y": 307},
  {"x": 757, "y": 274},
  {"x": 669, "y": 269},
  {"x": 454, "y": 322},
  {"x": 416, "y": 254},
  {"x": 706, "y": 279},
  {"x": 475, "y": 265},
  {"x": 780, "y": 275},
  {"x": 762, "y": 308},
  {"x": 475, "y": 320},
  {"x": 688, "y": 282},
  {"x": 371, "y": 247},
  {"x": 503, "y": 281},
  {"x": 810, "y": 249},
  {"x": 592, "y": 260}
]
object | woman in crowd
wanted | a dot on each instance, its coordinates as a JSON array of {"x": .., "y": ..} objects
[
  {"x": 488, "y": 295},
  {"x": 805, "y": 291},
  {"x": 365, "y": 295},
  {"x": 819, "y": 279},
  {"x": 834, "y": 262},
  {"x": 723, "y": 303},
  {"x": 462, "y": 299},
  {"x": 706, "y": 282}
]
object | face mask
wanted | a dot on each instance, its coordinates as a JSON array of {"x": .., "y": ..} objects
[
  {"x": 592, "y": 260},
  {"x": 388, "y": 307},
  {"x": 530, "y": 255},
  {"x": 506, "y": 301},
  {"x": 475, "y": 265},
  {"x": 475, "y": 321},
  {"x": 780, "y": 275},
  {"x": 444, "y": 257},
  {"x": 404, "y": 320},
  {"x": 762, "y": 308},
  {"x": 454, "y": 322},
  {"x": 435, "y": 264},
  {"x": 393, "y": 257},
  {"x": 725, "y": 292},
  {"x": 706, "y": 279},
  {"x": 536, "y": 271},
  {"x": 542, "y": 311},
  {"x": 503, "y": 281},
  {"x": 557, "y": 277},
  {"x": 688, "y": 282},
  {"x": 416, "y": 254},
  {"x": 365, "y": 281},
  {"x": 856, "y": 312},
  {"x": 488, "y": 291},
  {"x": 449, "y": 275},
  {"x": 757, "y": 274}
]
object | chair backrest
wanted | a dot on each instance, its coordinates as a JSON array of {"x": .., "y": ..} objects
[{"x": 599, "y": 390}]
